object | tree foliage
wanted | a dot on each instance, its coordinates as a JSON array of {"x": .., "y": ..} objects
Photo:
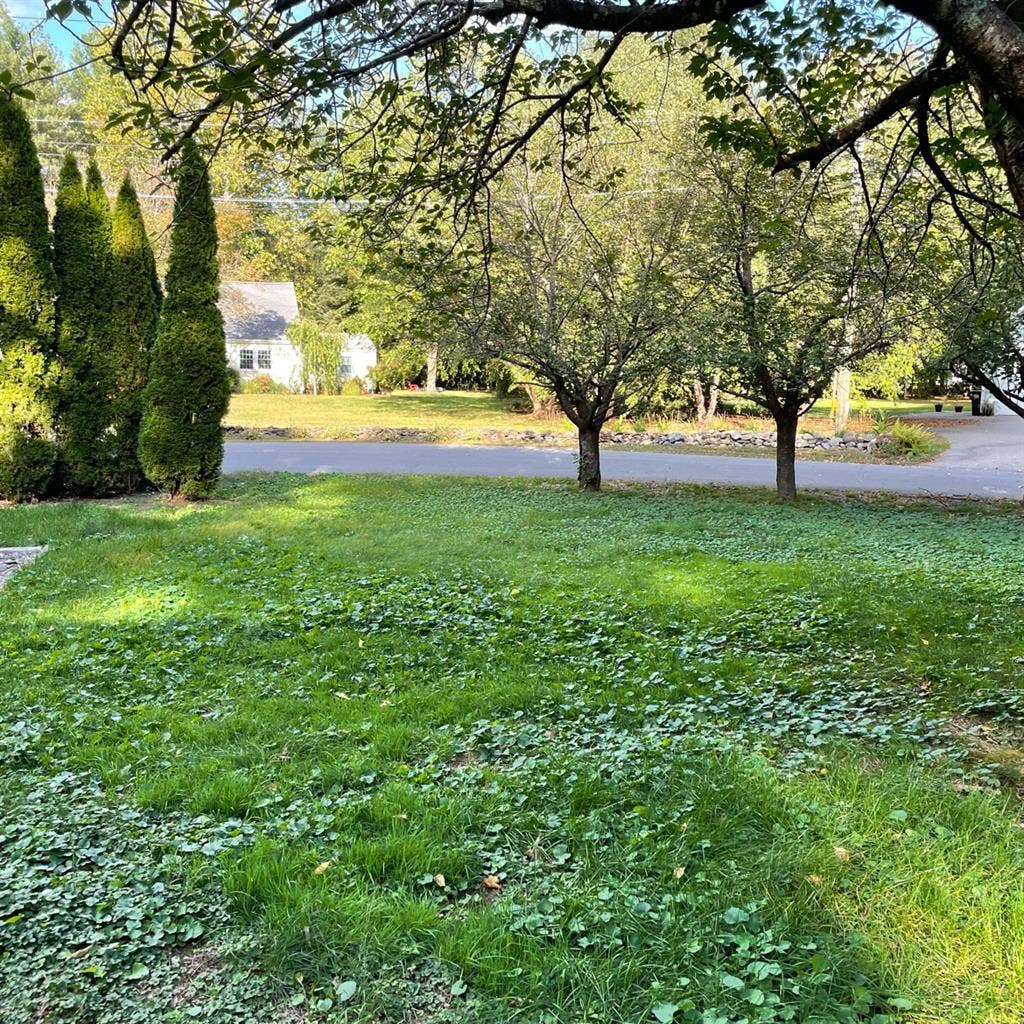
[
  {"x": 320, "y": 350},
  {"x": 577, "y": 296},
  {"x": 82, "y": 260},
  {"x": 27, "y": 364},
  {"x": 453, "y": 92},
  {"x": 180, "y": 443},
  {"x": 134, "y": 314}
]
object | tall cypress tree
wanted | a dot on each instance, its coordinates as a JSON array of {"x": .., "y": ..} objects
[
  {"x": 135, "y": 310},
  {"x": 27, "y": 364},
  {"x": 180, "y": 445},
  {"x": 81, "y": 256}
]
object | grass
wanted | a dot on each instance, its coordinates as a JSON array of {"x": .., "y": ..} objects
[
  {"x": 454, "y": 416},
  {"x": 378, "y": 749},
  {"x": 900, "y": 407},
  {"x": 444, "y": 415}
]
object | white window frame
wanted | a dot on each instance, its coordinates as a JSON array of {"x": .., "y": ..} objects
[
  {"x": 263, "y": 358},
  {"x": 246, "y": 355}
]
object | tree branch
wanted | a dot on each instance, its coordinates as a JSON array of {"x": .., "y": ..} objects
[
  {"x": 973, "y": 374},
  {"x": 902, "y": 96},
  {"x": 604, "y": 16}
]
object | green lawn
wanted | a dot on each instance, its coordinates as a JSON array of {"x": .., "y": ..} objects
[
  {"x": 425, "y": 750},
  {"x": 465, "y": 415},
  {"x": 446, "y": 413},
  {"x": 901, "y": 407}
]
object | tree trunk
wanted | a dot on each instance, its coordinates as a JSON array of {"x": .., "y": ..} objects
[
  {"x": 841, "y": 395},
  {"x": 431, "y": 384},
  {"x": 589, "y": 475},
  {"x": 698, "y": 399},
  {"x": 705, "y": 397},
  {"x": 785, "y": 453}
]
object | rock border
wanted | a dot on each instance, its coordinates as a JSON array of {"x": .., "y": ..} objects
[{"x": 867, "y": 443}]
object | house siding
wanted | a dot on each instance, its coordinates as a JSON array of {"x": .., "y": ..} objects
[{"x": 256, "y": 319}]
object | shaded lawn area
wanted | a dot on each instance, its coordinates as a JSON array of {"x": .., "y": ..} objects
[{"x": 372, "y": 749}]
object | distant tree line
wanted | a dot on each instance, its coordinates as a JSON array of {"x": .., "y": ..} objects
[{"x": 106, "y": 383}]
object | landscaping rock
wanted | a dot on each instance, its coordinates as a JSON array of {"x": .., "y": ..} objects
[
  {"x": 707, "y": 439},
  {"x": 12, "y": 559}
]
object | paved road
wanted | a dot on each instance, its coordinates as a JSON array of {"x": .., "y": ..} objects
[{"x": 494, "y": 460}]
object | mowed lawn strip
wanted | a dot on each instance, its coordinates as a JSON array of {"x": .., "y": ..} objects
[
  {"x": 444, "y": 414},
  {"x": 367, "y": 749},
  {"x": 466, "y": 415}
]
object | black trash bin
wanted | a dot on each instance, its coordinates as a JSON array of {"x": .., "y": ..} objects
[{"x": 975, "y": 401}]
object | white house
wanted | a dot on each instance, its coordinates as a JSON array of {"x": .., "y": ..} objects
[
  {"x": 256, "y": 318},
  {"x": 1012, "y": 386}
]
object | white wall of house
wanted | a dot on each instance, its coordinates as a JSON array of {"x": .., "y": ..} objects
[
  {"x": 358, "y": 357},
  {"x": 279, "y": 360},
  {"x": 282, "y": 361},
  {"x": 998, "y": 409}
]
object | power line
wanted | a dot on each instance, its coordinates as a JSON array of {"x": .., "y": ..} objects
[{"x": 168, "y": 197}]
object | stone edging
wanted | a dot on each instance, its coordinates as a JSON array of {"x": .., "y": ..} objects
[{"x": 708, "y": 439}]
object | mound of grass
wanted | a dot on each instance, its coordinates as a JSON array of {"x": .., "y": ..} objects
[{"x": 368, "y": 749}]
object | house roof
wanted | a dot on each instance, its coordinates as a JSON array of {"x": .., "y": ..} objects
[{"x": 257, "y": 310}]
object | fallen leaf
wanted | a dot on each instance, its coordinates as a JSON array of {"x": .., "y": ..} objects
[
  {"x": 841, "y": 853},
  {"x": 814, "y": 879},
  {"x": 439, "y": 881},
  {"x": 678, "y": 872},
  {"x": 491, "y": 882},
  {"x": 321, "y": 867}
]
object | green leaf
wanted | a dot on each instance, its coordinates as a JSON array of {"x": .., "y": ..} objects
[
  {"x": 137, "y": 971},
  {"x": 664, "y": 1012},
  {"x": 345, "y": 990}
]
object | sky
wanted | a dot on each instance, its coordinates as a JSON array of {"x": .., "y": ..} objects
[{"x": 29, "y": 13}]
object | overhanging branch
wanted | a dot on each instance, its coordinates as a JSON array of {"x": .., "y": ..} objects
[{"x": 902, "y": 96}]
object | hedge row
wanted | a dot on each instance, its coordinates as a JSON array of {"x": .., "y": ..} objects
[{"x": 103, "y": 385}]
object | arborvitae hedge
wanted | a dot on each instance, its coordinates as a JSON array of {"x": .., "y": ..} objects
[
  {"x": 27, "y": 364},
  {"x": 181, "y": 446},
  {"x": 81, "y": 256},
  {"x": 135, "y": 310}
]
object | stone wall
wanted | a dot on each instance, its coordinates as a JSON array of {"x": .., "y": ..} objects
[{"x": 706, "y": 439}]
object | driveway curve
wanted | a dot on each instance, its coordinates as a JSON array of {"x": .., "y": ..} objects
[
  {"x": 984, "y": 442},
  {"x": 498, "y": 461}
]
